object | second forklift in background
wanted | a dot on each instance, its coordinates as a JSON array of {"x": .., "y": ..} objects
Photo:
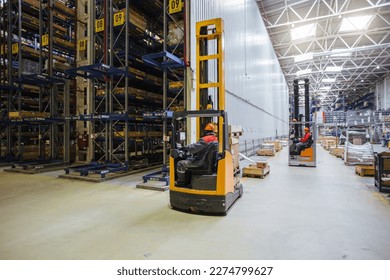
[{"x": 306, "y": 154}]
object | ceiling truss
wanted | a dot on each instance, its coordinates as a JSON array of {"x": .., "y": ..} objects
[{"x": 366, "y": 59}]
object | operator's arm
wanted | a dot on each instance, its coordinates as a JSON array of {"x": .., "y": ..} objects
[
  {"x": 197, "y": 147},
  {"x": 305, "y": 138}
]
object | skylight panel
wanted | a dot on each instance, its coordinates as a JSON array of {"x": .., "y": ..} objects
[
  {"x": 355, "y": 23},
  {"x": 304, "y": 31},
  {"x": 303, "y": 57}
]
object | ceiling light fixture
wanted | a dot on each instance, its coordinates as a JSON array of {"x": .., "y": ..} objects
[
  {"x": 333, "y": 69},
  {"x": 329, "y": 80},
  {"x": 303, "y": 72},
  {"x": 340, "y": 52}
]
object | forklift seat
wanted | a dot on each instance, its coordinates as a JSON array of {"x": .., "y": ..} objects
[
  {"x": 308, "y": 144},
  {"x": 210, "y": 166}
]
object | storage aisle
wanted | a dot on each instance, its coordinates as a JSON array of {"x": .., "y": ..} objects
[{"x": 326, "y": 212}]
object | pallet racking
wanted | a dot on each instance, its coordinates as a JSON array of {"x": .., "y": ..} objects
[
  {"x": 124, "y": 66},
  {"x": 35, "y": 96}
]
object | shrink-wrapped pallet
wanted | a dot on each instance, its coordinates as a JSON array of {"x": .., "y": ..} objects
[{"x": 358, "y": 154}]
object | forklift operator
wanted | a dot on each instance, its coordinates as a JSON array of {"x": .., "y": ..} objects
[
  {"x": 198, "y": 151},
  {"x": 302, "y": 142}
]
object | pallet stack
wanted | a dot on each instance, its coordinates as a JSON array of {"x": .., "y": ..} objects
[
  {"x": 365, "y": 170},
  {"x": 277, "y": 145},
  {"x": 266, "y": 149},
  {"x": 258, "y": 170},
  {"x": 338, "y": 152},
  {"x": 323, "y": 140}
]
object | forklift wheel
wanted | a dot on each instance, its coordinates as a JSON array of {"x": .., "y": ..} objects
[{"x": 240, "y": 190}]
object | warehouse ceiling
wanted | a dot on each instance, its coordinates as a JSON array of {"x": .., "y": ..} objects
[{"x": 342, "y": 46}]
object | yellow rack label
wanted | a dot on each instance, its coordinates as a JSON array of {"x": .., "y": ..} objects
[
  {"x": 82, "y": 45},
  {"x": 3, "y": 49},
  {"x": 15, "y": 48},
  {"x": 175, "y": 6},
  {"x": 45, "y": 40},
  {"x": 99, "y": 25},
  {"x": 119, "y": 18}
]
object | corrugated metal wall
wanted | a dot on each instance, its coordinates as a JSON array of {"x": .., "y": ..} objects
[{"x": 256, "y": 91}]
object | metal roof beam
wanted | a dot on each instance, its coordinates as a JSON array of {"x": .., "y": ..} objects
[{"x": 335, "y": 14}]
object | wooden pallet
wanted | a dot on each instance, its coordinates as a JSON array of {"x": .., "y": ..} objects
[
  {"x": 254, "y": 172},
  {"x": 269, "y": 153},
  {"x": 365, "y": 170}
]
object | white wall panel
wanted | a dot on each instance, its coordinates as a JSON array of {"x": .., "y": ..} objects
[
  {"x": 383, "y": 94},
  {"x": 256, "y": 90}
]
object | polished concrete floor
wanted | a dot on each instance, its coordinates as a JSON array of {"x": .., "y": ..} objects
[{"x": 326, "y": 212}]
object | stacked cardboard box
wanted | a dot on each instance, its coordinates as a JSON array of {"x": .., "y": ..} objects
[
  {"x": 323, "y": 140},
  {"x": 386, "y": 118},
  {"x": 329, "y": 143}
]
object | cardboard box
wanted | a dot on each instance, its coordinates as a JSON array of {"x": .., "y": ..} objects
[
  {"x": 235, "y": 153},
  {"x": 235, "y": 130},
  {"x": 261, "y": 164},
  {"x": 329, "y": 143}
]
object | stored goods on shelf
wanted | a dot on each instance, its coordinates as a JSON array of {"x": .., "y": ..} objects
[
  {"x": 27, "y": 114},
  {"x": 175, "y": 33},
  {"x": 176, "y": 85}
]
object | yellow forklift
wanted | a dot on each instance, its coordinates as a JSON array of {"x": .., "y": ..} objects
[
  {"x": 306, "y": 156},
  {"x": 213, "y": 188}
]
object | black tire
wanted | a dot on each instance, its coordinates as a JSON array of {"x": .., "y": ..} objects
[{"x": 240, "y": 190}]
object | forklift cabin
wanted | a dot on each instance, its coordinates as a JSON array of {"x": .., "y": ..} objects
[
  {"x": 306, "y": 156},
  {"x": 212, "y": 188}
]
